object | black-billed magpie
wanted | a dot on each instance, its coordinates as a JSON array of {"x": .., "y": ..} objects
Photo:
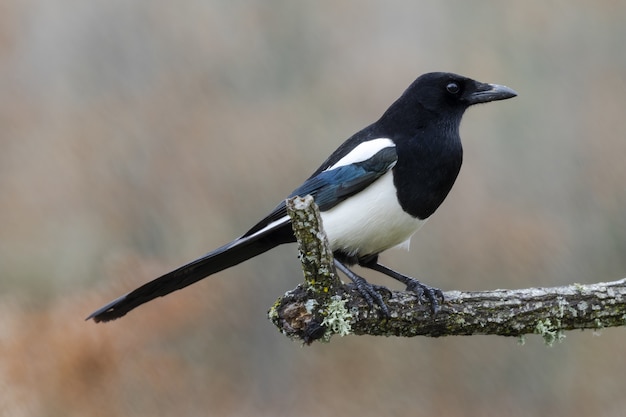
[{"x": 374, "y": 192}]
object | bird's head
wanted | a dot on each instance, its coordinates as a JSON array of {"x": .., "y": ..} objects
[
  {"x": 444, "y": 90},
  {"x": 437, "y": 95}
]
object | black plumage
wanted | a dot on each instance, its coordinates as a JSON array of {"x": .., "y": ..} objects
[{"x": 374, "y": 191}]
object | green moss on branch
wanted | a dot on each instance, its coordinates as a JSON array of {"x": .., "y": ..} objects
[{"x": 303, "y": 313}]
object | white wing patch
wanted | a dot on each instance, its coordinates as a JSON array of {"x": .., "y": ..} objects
[
  {"x": 271, "y": 226},
  {"x": 368, "y": 222},
  {"x": 363, "y": 152}
]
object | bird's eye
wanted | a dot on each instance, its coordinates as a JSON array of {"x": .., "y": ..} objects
[{"x": 453, "y": 88}]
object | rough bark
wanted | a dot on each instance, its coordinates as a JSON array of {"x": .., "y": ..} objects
[{"x": 323, "y": 306}]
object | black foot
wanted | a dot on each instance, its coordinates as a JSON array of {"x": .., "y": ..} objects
[
  {"x": 425, "y": 292},
  {"x": 371, "y": 293}
]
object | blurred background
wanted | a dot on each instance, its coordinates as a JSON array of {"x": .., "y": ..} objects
[{"x": 138, "y": 135}]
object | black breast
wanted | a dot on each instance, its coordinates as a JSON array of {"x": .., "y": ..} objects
[{"x": 426, "y": 170}]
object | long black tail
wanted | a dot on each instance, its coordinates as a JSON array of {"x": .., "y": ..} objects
[{"x": 221, "y": 258}]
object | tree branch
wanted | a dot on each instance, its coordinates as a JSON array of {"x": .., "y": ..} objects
[{"x": 323, "y": 306}]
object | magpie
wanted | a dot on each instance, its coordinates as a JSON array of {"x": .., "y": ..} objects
[{"x": 374, "y": 192}]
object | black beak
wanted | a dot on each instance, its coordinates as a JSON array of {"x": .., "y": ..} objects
[{"x": 485, "y": 93}]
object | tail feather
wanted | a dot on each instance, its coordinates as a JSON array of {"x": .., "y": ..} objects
[{"x": 222, "y": 258}]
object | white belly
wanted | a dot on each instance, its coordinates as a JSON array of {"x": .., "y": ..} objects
[{"x": 370, "y": 221}]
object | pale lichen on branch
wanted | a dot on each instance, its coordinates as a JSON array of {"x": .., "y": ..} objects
[{"x": 548, "y": 312}]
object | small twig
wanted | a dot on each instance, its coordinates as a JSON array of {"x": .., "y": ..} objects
[
  {"x": 308, "y": 320},
  {"x": 322, "y": 306}
]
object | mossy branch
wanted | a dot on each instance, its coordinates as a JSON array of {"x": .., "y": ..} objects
[{"x": 323, "y": 306}]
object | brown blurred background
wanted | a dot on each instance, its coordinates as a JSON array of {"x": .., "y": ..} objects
[{"x": 137, "y": 135}]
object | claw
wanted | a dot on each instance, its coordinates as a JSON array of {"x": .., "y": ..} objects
[
  {"x": 423, "y": 291},
  {"x": 371, "y": 293}
]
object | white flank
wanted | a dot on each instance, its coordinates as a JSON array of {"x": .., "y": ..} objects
[
  {"x": 370, "y": 221},
  {"x": 406, "y": 245},
  {"x": 363, "y": 152}
]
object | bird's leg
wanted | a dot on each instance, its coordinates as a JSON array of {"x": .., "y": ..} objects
[
  {"x": 368, "y": 291},
  {"x": 422, "y": 290}
]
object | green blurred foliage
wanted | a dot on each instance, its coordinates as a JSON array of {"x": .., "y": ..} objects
[{"x": 139, "y": 135}]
